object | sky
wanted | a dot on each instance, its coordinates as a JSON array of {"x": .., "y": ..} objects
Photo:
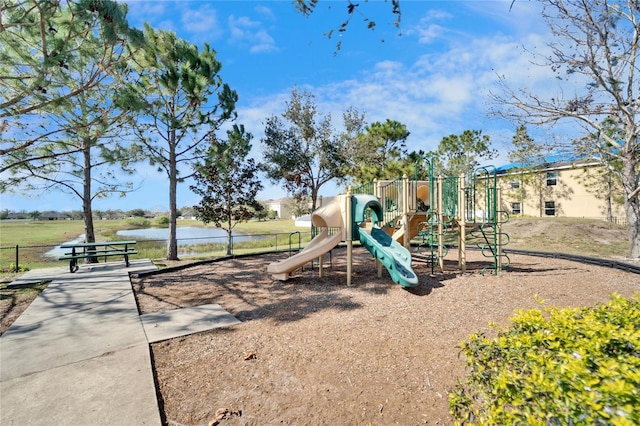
[{"x": 434, "y": 73}]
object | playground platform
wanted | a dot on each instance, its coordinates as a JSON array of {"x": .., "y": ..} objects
[{"x": 79, "y": 355}]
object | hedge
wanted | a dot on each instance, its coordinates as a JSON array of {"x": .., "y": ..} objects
[{"x": 571, "y": 366}]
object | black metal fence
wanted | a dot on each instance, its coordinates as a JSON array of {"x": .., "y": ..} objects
[
  {"x": 41, "y": 255},
  {"x": 618, "y": 220}
]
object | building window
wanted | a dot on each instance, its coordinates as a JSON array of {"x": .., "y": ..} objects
[
  {"x": 552, "y": 178},
  {"x": 549, "y": 208},
  {"x": 515, "y": 184},
  {"x": 516, "y": 208}
]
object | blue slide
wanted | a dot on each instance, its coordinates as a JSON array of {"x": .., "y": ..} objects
[{"x": 393, "y": 255}]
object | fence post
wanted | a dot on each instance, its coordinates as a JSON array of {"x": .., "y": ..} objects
[{"x": 17, "y": 258}]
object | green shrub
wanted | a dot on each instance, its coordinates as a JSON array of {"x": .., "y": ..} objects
[
  {"x": 138, "y": 222},
  {"x": 162, "y": 221},
  {"x": 12, "y": 268},
  {"x": 576, "y": 366}
]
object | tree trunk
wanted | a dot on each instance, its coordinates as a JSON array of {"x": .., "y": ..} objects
[
  {"x": 541, "y": 202},
  {"x": 523, "y": 194},
  {"x": 229, "y": 241},
  {"x": 314, "y": 197},
  {"x": 89, "y": 233},
  {"x": 631, "y": 206},
  {"x": 172, "y": 240},
  {"x": 608, "y": 201}
]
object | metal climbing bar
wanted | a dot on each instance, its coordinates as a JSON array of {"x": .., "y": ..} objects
[
  {"x": 492, "y": 239},
  {"x": 390, "y": 195}
]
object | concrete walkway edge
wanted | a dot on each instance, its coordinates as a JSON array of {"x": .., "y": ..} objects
[{"x": 79, "y": 354}]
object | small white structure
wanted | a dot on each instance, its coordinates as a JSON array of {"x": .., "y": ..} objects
[
  {"x": 281, "y": 207},
  {"x": 303, "y": 221}
]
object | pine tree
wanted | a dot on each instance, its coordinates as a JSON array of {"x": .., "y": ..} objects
[
  {"x": 380, "y": 152},
  {"x": 61, "y": 65},
  {"x": 529, "y": 161},
  {"x": 173, "y": 96},
  {"x": 461, "y": 154}
]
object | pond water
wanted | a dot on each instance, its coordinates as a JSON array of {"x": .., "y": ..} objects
[
  {"x": 187, "y": 236},
  {"x": 191, "y": 235},
  {"x": 57, "y": 251}
]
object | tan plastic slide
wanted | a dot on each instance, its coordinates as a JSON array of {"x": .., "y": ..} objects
[
  {"x": 415, "y": 220},
  {"x": 325, "y": 217}
]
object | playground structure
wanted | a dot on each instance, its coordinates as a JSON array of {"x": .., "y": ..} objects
[
  {"x": 345, "y": 219},
  {"x": 439, "y": 207},
  {"x": 386, "y": 216}
]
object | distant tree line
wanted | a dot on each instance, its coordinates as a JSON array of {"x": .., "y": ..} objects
[{"x": 187, "y": 212}]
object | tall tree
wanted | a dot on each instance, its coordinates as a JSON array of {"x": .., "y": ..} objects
[
  {"x": 85, "y": 162},
  {"x": 417, "y": 164},
  {"x": 61, "y": 65},
  {"x": 461, "y": 154},
  {"x": 177, "y": 81},
  {"x": 597, "y": 42},
  {"x": 38, "y": 38},
  {"x": 605, "y": 182},
  {"x": 529, "y": 161},
  {"x": 379, "y": 152},
  {"x": 228, "y": 183},
  {"x": 304, "y": 152},
  {"x": 298, "y": 206}
]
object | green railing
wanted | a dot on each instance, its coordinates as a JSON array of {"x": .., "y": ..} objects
[
  {"x": 391, "y": 199},
  {"x": 364, "y": 189}
]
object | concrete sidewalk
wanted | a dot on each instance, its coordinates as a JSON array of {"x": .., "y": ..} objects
[{"x": 79, "y": 354}]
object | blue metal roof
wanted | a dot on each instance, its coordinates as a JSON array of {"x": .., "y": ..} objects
[{"x": 565, "y": 157}]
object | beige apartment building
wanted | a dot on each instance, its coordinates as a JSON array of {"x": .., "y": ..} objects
[{"x": 578, "y": 188}]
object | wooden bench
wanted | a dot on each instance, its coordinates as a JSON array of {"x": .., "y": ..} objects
[{"x": 97, "y": 250}]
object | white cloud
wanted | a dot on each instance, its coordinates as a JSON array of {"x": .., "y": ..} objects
[
  {"x": 202, "y": 20},
  {"x": 388, "y": 67},
  {"x": 265, "y": 12},
  {"x": 427, "y": 31},
  {"x": 446, "y": 93},
  {"x": 263, "y": 43},
  {"x": 145, "y": 10},
  {"x": 154, "y": 13},
  {"x": 251, "y": 35}
]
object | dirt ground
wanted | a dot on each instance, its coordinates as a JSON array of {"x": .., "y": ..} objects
[
  {"x": 312, "y": 351},
  {"x": 14, "y": 300}
]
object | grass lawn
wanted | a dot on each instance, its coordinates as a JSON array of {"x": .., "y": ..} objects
[
  {"x": 564, "y": 235},
  {"x": 47, "y": 234}
]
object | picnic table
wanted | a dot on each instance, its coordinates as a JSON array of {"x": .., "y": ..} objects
[{"x": 96, "y": 250}]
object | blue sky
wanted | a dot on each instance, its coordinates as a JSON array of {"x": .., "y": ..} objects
[{"x": 433, "y": 74}]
